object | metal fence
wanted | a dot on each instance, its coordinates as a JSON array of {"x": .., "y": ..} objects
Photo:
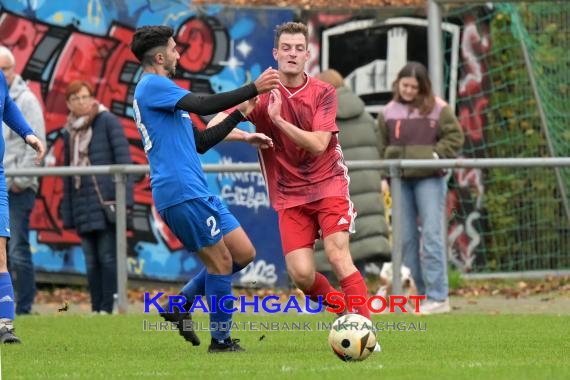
[{"x": 120, "y": 173}]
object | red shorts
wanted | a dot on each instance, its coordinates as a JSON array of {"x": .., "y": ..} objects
[{"x": 299, "y": 226}]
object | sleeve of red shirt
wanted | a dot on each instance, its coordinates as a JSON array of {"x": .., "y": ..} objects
[{"x": 325, "y": 116}]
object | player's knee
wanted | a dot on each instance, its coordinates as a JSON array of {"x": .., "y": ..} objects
[
  {"x": 336, "y": 243},
  {"x": 249, "y": 255},
  {"x": 219, "y": 267},
  {"x": 245, "y": 257},
  {"x": 302, "y": 277},
  {"x": 220, "y": 262}
]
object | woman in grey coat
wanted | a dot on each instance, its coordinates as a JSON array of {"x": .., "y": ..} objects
[{"x": 359, "y": 142}]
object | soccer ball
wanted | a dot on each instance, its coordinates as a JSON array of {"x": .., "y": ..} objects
[{"x": 352, "y": 337}]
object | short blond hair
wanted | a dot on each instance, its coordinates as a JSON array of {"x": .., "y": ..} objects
[
  {"x": 291, "y": 28},
  {"x": 331, "y": 76}
]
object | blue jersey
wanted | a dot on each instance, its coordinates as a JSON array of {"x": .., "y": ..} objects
[
  {"x": 11, "y": 115},
  {"x": 176, "y": 174}
]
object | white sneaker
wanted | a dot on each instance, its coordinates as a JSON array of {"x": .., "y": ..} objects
[
  {"x": 377, "y": 348},
  {"x": 435, "y": 307}
]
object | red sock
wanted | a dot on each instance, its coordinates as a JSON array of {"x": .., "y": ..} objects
[
  {"x": 321, "y": 287},
  {"x": 354, "y": 285}
]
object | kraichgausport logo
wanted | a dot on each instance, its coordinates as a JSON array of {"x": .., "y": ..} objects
[{"x": 334, "y": 302}]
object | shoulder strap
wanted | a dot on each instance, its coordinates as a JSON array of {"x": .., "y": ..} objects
[{"x": 97, "y": 190}]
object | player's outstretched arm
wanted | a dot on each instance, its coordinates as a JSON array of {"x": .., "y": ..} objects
[
  {"x": 211, "y": 136},
  {"x": 256, "y": 139},
  {"x": 15, "y": 120},
  {"x": 234, "y": 135},
  {"x": 209, "y": 104}
]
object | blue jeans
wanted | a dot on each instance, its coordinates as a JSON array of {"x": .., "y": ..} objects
[
  {"x": 19, "y": 254},
  {"x": 100, "y": 252},
  {"x": 423, "y": 203}
]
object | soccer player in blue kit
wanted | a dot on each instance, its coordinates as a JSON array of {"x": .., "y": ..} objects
[
  {"x": 179, "y": 189},
  {"x": 11, "y": 115}
]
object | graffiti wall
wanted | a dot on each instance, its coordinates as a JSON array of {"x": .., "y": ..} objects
[
  {"x": 55, "y": 42},
  {"x": 465, "y": 200},
  {"x": 222, "y": 48}
]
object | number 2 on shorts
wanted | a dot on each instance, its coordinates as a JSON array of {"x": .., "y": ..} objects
[{"x": 211, "y": 222}]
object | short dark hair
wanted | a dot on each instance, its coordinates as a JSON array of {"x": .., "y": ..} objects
[
  {"x": 147, "y": 38},
  {"x": 291, "y": 28}
]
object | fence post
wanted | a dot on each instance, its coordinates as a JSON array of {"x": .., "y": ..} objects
[
  {"x": 121, "y": 226},
  {"x": 435, "y": 49},
  {"x": 396, "y": 190}
]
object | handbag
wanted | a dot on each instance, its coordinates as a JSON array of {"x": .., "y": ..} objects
[{"x": 109, "y": 207}]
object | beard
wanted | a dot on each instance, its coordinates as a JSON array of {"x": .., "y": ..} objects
[{"x": 170, "y": 68}]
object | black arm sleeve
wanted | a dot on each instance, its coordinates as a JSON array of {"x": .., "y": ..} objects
[
  {"x": 209, "y": 104},
  {"x": 211, "y": 136}
]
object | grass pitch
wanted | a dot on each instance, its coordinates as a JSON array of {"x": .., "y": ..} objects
[{"x": 452, "y": 347}]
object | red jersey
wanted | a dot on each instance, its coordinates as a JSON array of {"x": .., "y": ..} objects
[{"x": 294, "y": 176}]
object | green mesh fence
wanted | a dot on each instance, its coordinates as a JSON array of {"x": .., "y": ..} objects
[{"x": 512, "y": 219}]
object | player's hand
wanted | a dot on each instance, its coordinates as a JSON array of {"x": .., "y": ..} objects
[
  {"x": 274, "y": 106},
  {"x": 259, "y": 140},
  {"x": 248, "y": 106},
  {"x": 267, "y": 81},
  {"x": 36, "y": 143}
]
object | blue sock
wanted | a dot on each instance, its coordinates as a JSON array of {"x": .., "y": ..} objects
[
  {"x": 219, "y": 285},
  {"x": 197, "y": 286},
  {"x": 6, "y": 297}
]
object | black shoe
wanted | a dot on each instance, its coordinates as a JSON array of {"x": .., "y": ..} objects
[
  {"x": 227, "y": 345},
  {"x": 184, "y": 321},
  {"x": 7, "y": 336},
  {"x": 338, "y": 315}
]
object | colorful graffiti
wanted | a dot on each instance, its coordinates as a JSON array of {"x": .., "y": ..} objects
[
  {"x": 374, "y": 51},
  {"x": 474, "y": 44},
  {"x": 464, "y": 234},
  {"x": 221, "y": 48},
  {"x": 465, "y": 202}
]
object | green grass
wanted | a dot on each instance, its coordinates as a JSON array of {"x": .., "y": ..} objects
[{"x": 458, "y": 347}]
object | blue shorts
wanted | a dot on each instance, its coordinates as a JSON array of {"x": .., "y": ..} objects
[{"x": 199, "y": 222}]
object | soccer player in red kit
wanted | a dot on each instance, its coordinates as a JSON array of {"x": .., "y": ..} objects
[{"x": 305, "y": 171}]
